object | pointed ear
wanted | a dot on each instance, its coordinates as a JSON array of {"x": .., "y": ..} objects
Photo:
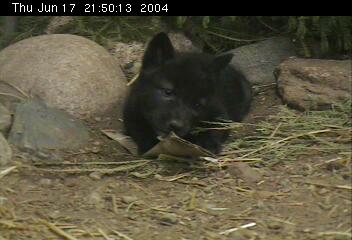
[
  {"x": 220, "y": 62},
  {"x": 159, "y": 51}
]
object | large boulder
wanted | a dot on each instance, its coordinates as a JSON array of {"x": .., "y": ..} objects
[
  {"x": 259, "y": 60},
  {"x": 314, "y": 84},
  {"x": 69, "y": 72},
  {"x": 39, "y": 127}
]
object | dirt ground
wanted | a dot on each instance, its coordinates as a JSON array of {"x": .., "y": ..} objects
[{"x": 302, "y": 199}]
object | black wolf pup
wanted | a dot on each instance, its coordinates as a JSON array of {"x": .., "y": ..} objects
[{"x": 182, "y": 91}]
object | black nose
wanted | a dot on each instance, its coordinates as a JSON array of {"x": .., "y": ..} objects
[{"x": 176, "y": 125}]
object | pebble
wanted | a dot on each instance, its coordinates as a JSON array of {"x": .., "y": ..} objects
[
  {"x": 96, "y": 175},
  {"x": 95, "y": 150},
  {"x": 274, "y": 225},
  {"x": 129, "y": 199},
  {"x": 169, "y": 218}
]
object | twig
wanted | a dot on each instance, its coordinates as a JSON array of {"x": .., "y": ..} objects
[
  {"x": 90, "y": 163},
  {"x": 12, "y": 95},
  {"x": 3, "y": 173},
  {"x": 275, "y": 130},
  {"x": 345, "y": 187},
  {"x": 225, "y": 154},
  {"x": 265, "y": 85},
  {"x": 228, "y": 231},
  {"x": 113, "y": 201},
  {"x": 17, "y": 88},
  {"x": 282, "y": 221},
  {"x": 104, "y": 170},
  {"x": 133, "y": 80},
  {"x": 104, "y": 234},
  {"x": 332, "y": 233},
  {"x": 122, "y": 235},
  {"x": 173, "y": 178},
  {"x": 57, "y": 230}
]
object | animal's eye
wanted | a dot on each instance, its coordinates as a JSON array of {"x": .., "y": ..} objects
[{"x": 168, "y": 92}]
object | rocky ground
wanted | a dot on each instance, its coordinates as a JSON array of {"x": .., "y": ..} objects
[{"x": 65, "y": 198}]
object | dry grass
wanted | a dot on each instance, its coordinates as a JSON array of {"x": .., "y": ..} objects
[{"x": 290, "y": 135}]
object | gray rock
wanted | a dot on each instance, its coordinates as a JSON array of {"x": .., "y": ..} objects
[
  {"x": 5, "y": 151},
  {"x": 5, "y": 119},
  {"x": 39, "y": 127},
  {"x": 68, "y": 72},
  {"x": 259, "y": 60},
  {"x": 314, "y": 84}
]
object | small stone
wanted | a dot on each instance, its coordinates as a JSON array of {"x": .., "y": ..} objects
[
  {"x": 96, "y": 175},
  {"x": 129, "y": 199},
  {"x": 95, "y": 150},
  {"x": 169, "y": 218},
  {"x": 274, "y": 225}
]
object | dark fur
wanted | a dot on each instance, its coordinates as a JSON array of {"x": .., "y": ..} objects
[{"x": 177, "y": 92}]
